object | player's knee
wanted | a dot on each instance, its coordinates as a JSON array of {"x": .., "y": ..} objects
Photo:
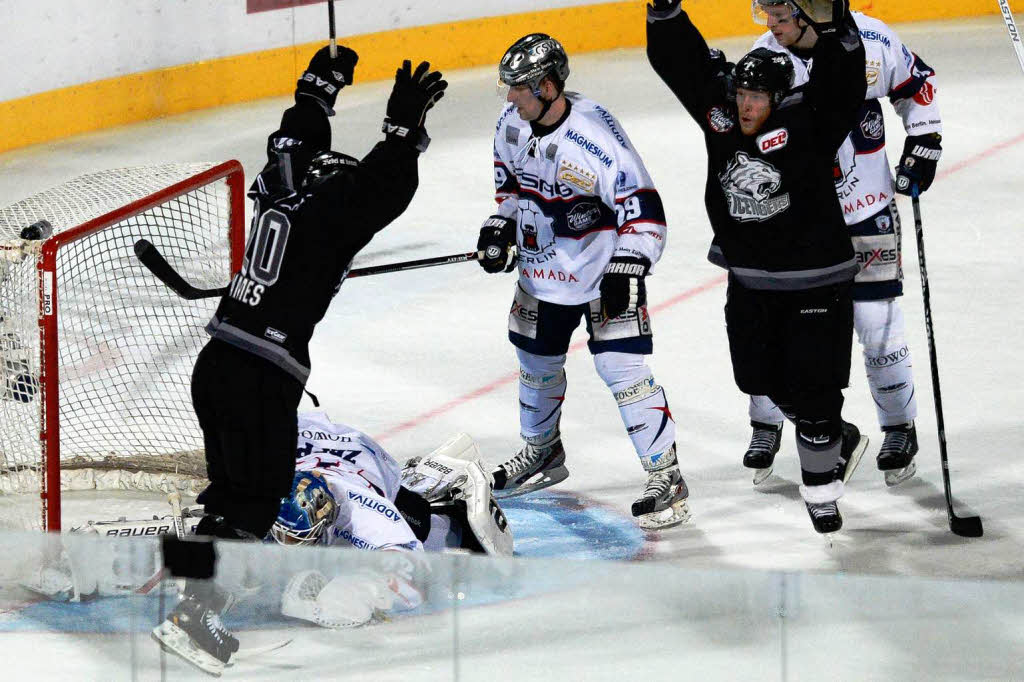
[
  {"x": 618, "y": 370},
  {"x": 540, "y": 364}
]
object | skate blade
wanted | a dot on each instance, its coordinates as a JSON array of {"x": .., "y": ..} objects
[
  {"x": 173, "y": 639},
  {"x": 761, "y": 474},
  {"x": 896, "y": 476},
  {"x": 551, "y": 477},
  {"x": 666, "y": 518},
  {"x": 855, "y": 456}
]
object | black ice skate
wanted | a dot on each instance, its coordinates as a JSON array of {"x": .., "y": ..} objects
[
  {"x": 533, "y": 468},
  {"x": 765, "y": 442},
  {"x": 663, "y": 502},
  {"x": 896, "y": 456},
  {"x": 196, "y": 633},
  {"x": 854, "y": 445},
  {"x": 825, "y": 516}
]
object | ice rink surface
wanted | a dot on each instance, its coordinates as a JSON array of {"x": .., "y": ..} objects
[{"x": 412, "y": 357}]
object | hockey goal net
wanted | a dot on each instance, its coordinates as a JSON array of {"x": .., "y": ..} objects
[{"x": 95, "y": 353}]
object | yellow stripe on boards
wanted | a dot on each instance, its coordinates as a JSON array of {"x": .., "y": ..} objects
[{"x": 473, "y": 42}]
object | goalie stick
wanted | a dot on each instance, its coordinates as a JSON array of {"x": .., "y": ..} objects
[
  {"x": 1011, "y": 26},
  {"x": 154, "y": 261},
  {"x": 965, "y": 526}
]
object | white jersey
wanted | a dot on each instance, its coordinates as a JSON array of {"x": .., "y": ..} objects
[
  {"x": 863, "y": 177},
  {"x": 580, "y": 195},
  {"x": 364, "y": 480}
]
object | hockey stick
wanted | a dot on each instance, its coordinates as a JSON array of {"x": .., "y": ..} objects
[
  {"x": 1011, "y": 26},
  {"x": 333, "y": 34},
  {"x": 174, "y": 499},
  {"x": 154, "y": 261},
  {"x": 965, "y": 526}
]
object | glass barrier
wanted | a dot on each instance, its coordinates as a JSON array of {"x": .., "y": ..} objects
[{"x": 85, "y": 607}]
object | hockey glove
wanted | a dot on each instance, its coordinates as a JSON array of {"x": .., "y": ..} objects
[
  {"x": 826, "y": 17},
  {"x": 324, "y": 77},
  {"x": 622, "y": 286},
  {"x": 411, "y": 98},
  {"x": 497, "y": 239},
  {"x": 921, "y": 155},
  {"x": 37, "y": 231},
  {"x": 664, "y": 7}
]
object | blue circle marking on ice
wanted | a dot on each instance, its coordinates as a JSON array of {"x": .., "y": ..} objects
[{"x": 567, "y": 526}]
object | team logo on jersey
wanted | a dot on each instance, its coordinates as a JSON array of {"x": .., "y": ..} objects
[
  {"x": 773, "y": 140},
  {"x": 583, "y": 216},
  {"x": 883, "y": 223},
  {"x": 577, "y": 176},
  {"x": 535, "y": 228},
  {"x": 720, "y": 120},
  {"x": 873, "y": 126},
  {"x": 749, "y": 184}
]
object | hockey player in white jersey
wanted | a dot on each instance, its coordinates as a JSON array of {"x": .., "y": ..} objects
[
  {"x": 348, "y": 491},
  {"x": 866, "y": 192},
  {"x": 580, "y": 221}
]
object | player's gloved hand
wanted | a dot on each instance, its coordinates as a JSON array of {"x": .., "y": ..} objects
[
  {"x": 39, "y": 230},
  {"x": 622, "y": 286},
  {"x": 826, "y": 17},
  {"x": 497, "y": 237},
  {"x": 412, "y": 97},
  {"x": 324, "y": 77},
  {"x": 921, "y": 155}
]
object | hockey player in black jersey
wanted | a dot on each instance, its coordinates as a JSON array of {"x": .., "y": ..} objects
[
  {"x": 778, "y": 225},
  {"x": 314, "y": 209}
]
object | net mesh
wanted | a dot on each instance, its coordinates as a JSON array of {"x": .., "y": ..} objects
[{"x": 126, "y": 343}]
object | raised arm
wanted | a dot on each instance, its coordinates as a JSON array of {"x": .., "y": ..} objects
[
  {"x": 680, "y": 56},
  {"x": 838, "y": 84}
]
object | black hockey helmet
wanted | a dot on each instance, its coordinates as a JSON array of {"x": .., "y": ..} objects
[
  {"x": 327, "y": 165},
  {"x": 531, "y": 58},
  {"x": 765, "y": 70}
]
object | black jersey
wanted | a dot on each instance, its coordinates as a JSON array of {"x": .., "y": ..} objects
[
  {"x": 302, "y": 240},
  {"x": 770, "y": 197}
]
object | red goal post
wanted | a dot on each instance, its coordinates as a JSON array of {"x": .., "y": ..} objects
[{"x": 95, "y": 353}]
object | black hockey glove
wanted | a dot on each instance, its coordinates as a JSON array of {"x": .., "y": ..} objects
[
  {"x": 37, "y": 231},
  {"x": 664, "y": 7},
  {"x": 921, "y": 155},
  {"x": 497, "y": 239},
  {"x": 622, "y": 286},
  {"x": 411, "y": 98},
  {"x": 324, "y": 77},
  {"x": 826, "y": 17}
]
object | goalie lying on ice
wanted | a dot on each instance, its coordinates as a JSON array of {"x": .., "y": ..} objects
[{"x": 349, "y": 491}]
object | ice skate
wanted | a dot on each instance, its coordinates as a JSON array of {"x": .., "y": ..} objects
[
  {"x": 196, "y": 633},
  {"x": 854, "y": 445},
  {"x": 535, "y": 467},
  {"x": 765, "y": 442},
  {"x": 663, "y": 502},
  {"x": 896, "y": 456},
  {"x": 825, "y": 516}
]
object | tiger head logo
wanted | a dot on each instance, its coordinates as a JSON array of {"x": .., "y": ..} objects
[{"x": 753, "y": 177}]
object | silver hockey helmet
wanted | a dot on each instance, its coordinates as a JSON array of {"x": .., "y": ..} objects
[
  {"x": 530, "y": 59},
  {"x": 758, "y": 8}
]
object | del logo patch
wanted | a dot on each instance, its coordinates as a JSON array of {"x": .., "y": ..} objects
[
  {"x": 577, "y": 176},
  {"x": 773, "y": 140}
]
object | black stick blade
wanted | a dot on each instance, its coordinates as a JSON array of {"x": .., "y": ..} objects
[
  {"x": 966, "y": 526},
  {"x": 154, "y": 261}
]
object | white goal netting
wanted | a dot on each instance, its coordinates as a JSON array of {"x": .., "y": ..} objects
[{"x": 95, "y": 353}]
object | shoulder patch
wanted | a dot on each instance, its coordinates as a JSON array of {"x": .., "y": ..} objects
[
  {"x": 512, "y": 135},
  {"x": 720, "y": 120}
]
